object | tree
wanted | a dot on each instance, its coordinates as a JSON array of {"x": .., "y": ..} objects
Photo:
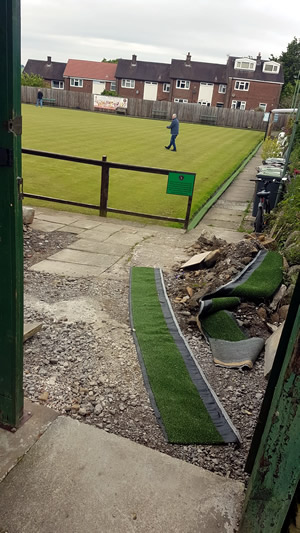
[
  {"x": 104, "y": 60},
  {"x": 33, "y": 80},
  {"x": 290, "y": 61}
]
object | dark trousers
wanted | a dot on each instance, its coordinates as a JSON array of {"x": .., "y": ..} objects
[{"x": 172, "y": 142}]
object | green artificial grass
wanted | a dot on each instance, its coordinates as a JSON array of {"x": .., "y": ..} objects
[
  {"x": 224, "y": 303},
  {"x": 264, "y": 281},
  {"x": 213, "y": 153},
  {"x": 182, "y": 411},
  {"x": 221, "y": 325}
]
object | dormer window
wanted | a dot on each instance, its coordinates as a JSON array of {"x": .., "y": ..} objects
[
  {"x": 245, "y": 64},
  {"x": 271, "y": 67}
]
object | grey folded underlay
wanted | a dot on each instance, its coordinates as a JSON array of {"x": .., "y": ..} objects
[{"x": 236, "y": 354}]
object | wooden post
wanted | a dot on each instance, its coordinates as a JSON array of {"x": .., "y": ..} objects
[
  {"x": 188, "y": 211},
  {"x": 270, "y": 125},
  {"x": 104, "y": 188},
  {"x": 276, "y": 470},
  {"x": 11, "y": 226}
]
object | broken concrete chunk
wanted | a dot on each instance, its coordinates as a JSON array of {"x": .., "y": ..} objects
[
  {"x": 278, "y": 297},
  {"x": 28, "y": 215},
  {"x": 270, "y": 349},
  {"x": 212, "y": 258},
  {"x": 31, "y": 329},
  {"x": 195, "y": 261}
]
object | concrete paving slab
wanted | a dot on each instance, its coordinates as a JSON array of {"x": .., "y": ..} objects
[
  {"x": 100, "y": 247},
  {"x": 84, "y": 258},
  {"x": 14, "y": 445},
  {"x": 227, "y": 224},
  {"x": 71, "y": 229},
  {"x": 79, "y": 479},
  {"x": 221, "y": 233},
  {"x": 123, "y": 237},
  {"x": 67, "y": 269},
  {"x": 85, "y": 223},
  {"x": 47, "y": 227},
  {"x": 60, "y": 217},
  {"x": 158, "y": 256},
  {"x": 102, "y": 232}
]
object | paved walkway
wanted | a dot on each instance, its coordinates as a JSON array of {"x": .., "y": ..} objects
[{"x": 77, "y": 478}]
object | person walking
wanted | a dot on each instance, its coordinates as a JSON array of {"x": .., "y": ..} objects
[
  {"x": 174, "y": 127},
  {"x": 39, "y": 98}
]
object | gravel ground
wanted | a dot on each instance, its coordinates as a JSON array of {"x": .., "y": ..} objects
[{"x": 83, "y": 362}]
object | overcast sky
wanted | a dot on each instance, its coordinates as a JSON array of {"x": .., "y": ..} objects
[{"x": 156, "y": 30}]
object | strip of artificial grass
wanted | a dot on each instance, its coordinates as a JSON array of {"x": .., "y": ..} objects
[
  {"x": 264, "y": 281},
  {"x": 221, "y": 325},
  {"x": 224, "y": 303},
  {"x": 182, "y": 411}
]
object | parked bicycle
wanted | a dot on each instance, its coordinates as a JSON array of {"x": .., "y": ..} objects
[{"x": 264, "y": 206}]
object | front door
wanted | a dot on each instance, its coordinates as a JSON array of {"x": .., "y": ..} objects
[
  {"x": 150, "y": 90},
  {"x": 205, "y": 93}
]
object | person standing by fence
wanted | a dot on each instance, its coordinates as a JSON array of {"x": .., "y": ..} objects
[
  {"x": 174, "y": 127},
  {"x": 39, "y": 98}
]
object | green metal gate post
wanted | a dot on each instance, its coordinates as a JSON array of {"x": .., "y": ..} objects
[
  {"x": 276, "y": 470},
  {"x": 11, "y": 227}
]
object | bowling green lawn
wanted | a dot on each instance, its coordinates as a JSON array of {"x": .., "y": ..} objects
[{"x": 212, "y": 153}]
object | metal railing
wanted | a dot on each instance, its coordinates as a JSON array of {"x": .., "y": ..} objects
[{"x": 104, "y": 189}]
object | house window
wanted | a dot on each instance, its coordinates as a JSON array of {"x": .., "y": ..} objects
[
  {"x": 271, "y": 67},
  {"x": 242, "y": 85},
  {"x": 113, "y": 85},
  {"x": 182, "y": 84},
  {"x": 203, "y": 102},
  {"x": 128, "y": 84},
  {"x": 181, "y": 101},
  {"x": 245, "y": 64},
  {"x": 263, "y": 107},
  {"x": 219, "y": 104},
  {"x": 222, "y": 89},
  {"x": 57, "y": 84},
  {"x": 166, "y": 87},
  {"x": 237, "y": 104},
  {"x": 76, "y": 82}
]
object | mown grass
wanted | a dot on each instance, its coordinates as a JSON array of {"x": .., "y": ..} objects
[{"x": 213, "y": 153}]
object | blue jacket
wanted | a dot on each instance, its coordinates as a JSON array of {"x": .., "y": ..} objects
[{"x": 174, "y": 126}]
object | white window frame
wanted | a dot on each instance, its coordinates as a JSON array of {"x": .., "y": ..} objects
[
  {"x": 220, "y": 104},
  {"x": 183, "y": 84},
  {"x": 181, "y": 101},
  {"x": 275, "y": 67},
  {"x": 127, "y": 84},
  {"x": 61, "y": 84},
  {"x": 204, "y": 103},
  {"x": 242, "y": 106},
  {"x": 113, "y": 85},
  {"x": 263, "y": 107},
  {"x": 222, "y": 89},
  {"x": 242, "y": 85},
  {"x": 76, "y": 82},
  {"x": 166, "y": 87},
  {"x": 244, "y": 63}
]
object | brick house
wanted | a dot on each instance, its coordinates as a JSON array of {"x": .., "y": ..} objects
[
  {"x": 51, "y": 71},
  {"x": 143, "y": 79},
  {"x": 89, "y": 76},
  {"x": 242, "y": 83},
  {"x": 253, "y": 83}
]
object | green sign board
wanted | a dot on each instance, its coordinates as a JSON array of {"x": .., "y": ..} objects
[{"x": 181, "y": 183}]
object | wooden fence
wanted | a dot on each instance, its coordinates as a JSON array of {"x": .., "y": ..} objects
[{"x": 233, "y": 118}]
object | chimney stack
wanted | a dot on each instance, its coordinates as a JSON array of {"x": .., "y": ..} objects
[
  {"x": 258, "y": 59},
  {"x": 188, "y": 59},
  {"x": 133, "y": 61},
  {"x": 49, "y": 60}
]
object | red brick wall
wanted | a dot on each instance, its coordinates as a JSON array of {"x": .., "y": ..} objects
[
  {"x": 131, "y": 93},
  {"x": 161, "y": 96},
  {"x": 259, "y": 92},
  {"x": 218, "y": 97},
  {"x": 86, "y": 88}
]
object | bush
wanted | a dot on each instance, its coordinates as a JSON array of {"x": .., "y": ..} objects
[
  {"x": 32, "y": 80},
  {"x": 108, "y": 93},
  {"x": 271, "y": 148},
  {"x": 285, "y": 219}
]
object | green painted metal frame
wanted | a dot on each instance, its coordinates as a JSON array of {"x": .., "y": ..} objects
[
  {"x": 276, "y": 469},
  {"x": 11, "y": 226}
]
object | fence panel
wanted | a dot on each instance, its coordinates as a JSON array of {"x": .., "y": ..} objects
[{"x": 233, "y": 118}]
